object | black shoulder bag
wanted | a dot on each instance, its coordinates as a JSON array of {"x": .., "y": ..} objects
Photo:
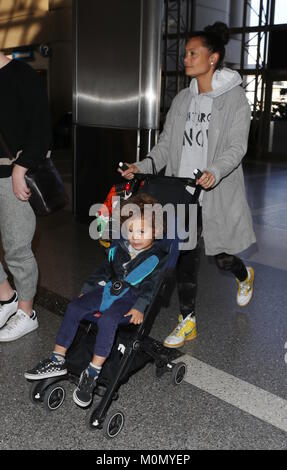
[{"x": 45, "y": 183}]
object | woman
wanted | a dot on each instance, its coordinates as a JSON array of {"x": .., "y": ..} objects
[
  {"x": 207, "y": 127},
  {"x": 24, "y": 141}
]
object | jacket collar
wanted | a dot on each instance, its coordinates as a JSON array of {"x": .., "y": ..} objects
[{"x": 218, "y": 102}]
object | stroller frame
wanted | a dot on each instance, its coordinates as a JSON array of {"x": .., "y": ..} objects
[{"x": 52, "y": 394}]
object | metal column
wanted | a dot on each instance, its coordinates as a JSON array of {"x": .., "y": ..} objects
[{"x": 117, "y": 73}]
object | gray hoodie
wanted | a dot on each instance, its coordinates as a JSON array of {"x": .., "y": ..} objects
[{"x": 195, "y": 139}]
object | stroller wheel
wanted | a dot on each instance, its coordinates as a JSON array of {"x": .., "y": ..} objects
[
  {"x": 113, "y": 424},
  {"x": 54, "y": 397},
  {"x": 178, "y": 373}
]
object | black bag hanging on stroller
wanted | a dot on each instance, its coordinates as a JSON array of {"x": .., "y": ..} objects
[{"x": 169, "y": 189}]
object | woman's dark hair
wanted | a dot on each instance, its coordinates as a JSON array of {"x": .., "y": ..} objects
[{"x": 215, "y": 37}]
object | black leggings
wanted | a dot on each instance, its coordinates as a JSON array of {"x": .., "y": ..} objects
[{"x": 187, "y": 271}]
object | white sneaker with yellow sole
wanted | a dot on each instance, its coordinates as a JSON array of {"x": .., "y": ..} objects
[
  {"x": 245, "y": 288},
  {"x": 185, "y": 331}
]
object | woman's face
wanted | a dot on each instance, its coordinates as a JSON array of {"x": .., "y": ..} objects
[
  {"x": 198, "y": 59},
  {"x": 140, "y": 234}
]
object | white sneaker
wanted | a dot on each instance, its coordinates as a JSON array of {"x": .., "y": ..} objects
[
  {"x": 19, "y": 325},
  {"x": 245, "y": 288},
  {"x": 7, "y": 310},
  {"x": 184, "y": 331}
]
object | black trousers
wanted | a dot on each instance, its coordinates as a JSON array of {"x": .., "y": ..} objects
[{"x": 187, "y": 271}]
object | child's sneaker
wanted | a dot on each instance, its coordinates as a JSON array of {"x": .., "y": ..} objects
[
  {"x": 8, "y": 309},
  {"x": 185, "y": 331},
  {"x": 47, "y": 369},
  {"x": 245, "y": 288},
  {"x": 19, "y": 325},
  {"x": 83, "y": 394}
]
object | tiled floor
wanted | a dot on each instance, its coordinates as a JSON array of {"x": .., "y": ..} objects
[{"x": 248, "y": 344}]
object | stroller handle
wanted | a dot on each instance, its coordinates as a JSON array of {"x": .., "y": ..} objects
[
  {"x": 123, "y": 166},
  {"x": 197, "y": 173}
]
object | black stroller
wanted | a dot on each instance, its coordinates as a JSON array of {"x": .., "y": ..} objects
[{"x": 132, "y": 350}]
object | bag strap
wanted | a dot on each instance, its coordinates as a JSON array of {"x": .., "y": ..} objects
[
  {"x": 5, "y": 147},
  {"x": 154, "y": 170}
]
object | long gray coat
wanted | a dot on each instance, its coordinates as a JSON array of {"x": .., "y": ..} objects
[{"x": 226, "y": 218}]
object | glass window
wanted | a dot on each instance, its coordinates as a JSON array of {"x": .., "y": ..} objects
[
  {"x": 279, "y": 101},
  {"x": 233, "y": 50},
  {"x": 249, "y": 84},
  {"x": 280, "y": 12},
  {"x": 252, "y": 48},
  {"x": 253, "y": 12},
  {"x": 278, "y": 118}
]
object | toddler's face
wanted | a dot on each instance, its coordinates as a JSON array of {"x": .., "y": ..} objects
[{"x": 140, "y": 234}]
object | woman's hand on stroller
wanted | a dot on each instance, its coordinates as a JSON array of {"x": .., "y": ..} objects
[
  {"x": 136, "y": 316},
  {"x": 207, "y": 180},
  {"x": 129, "y": 173}
]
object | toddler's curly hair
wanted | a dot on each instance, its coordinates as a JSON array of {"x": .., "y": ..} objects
[{"x": 141, "y": 200}]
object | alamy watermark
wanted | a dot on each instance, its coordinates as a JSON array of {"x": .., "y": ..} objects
[{"x": 171, "y": 221}]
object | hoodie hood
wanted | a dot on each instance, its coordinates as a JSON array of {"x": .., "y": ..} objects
[{"x": 222, "y": 81}]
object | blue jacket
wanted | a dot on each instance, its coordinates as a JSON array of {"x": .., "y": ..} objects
[{"x": 142, "y": 273}]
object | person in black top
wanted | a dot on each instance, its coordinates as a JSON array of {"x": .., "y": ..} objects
[{"x": 25, "y": 136}]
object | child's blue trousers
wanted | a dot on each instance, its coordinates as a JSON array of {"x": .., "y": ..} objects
[{"x": 85, "y": 308}]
